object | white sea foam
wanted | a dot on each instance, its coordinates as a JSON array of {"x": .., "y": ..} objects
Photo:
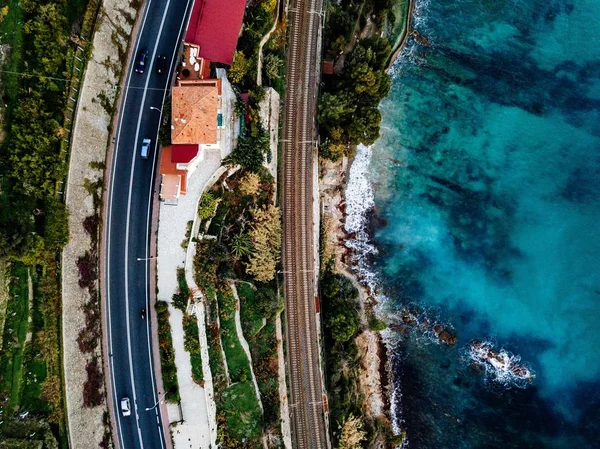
[
  {"x": 500, "y": 366},
  {"x": 360, "y": 201}
]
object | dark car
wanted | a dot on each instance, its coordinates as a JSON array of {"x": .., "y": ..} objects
[
  {"x": 140, "y": 61},
  {"x": 161, "y": 64}
]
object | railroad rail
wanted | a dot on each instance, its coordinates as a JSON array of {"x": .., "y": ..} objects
[{"x": 306, "y": 393}]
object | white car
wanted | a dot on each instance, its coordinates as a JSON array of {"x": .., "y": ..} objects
[
  {"x": 125, "y": 406},
  {"x": 145, "y": 148}
]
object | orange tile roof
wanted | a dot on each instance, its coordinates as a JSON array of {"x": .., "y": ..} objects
[{"x": 194, "y": 112}]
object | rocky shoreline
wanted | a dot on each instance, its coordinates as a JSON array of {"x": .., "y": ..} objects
[{"x": 374, "y": 367}]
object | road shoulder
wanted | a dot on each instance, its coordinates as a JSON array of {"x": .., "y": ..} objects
[{"x": 88, "y": 425}]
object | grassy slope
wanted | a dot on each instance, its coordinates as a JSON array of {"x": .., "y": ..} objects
[
  {"x": 15, "y": 332},
  {"x": 244, "y": 418}
]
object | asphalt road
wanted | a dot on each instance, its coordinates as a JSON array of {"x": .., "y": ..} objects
[{"x": 128, "y": 228}]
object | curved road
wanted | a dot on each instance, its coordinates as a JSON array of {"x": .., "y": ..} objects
[{"x": 128, "y": 218}]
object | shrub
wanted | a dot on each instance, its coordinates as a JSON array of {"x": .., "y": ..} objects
[
  {"x": 340, "y": 308},
  {"x": 167, "y": 353},
  {"x": 266, "y": 242},
  {"x": 207, "y": 206},
  {"x": 92, "y": 388}
]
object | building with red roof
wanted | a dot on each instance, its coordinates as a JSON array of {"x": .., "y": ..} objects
[
  {"x": 215, "y": 27},
  {"x": 183, "y": 154}
]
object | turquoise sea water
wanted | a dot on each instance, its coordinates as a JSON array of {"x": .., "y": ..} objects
[{"x": 486, "y": 185}]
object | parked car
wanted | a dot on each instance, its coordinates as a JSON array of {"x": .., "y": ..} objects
[
  {"x": 145, "y": 148},
  {"x": 141, "y": 60},
  {"x": 161, "y": 64},
  {"x": 125, "y": 406}
]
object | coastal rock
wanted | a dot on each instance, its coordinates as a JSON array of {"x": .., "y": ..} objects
[{"x": 447, "y": 337}]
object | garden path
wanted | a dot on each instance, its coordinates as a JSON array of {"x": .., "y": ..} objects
[{"x": 263, "y": 41}]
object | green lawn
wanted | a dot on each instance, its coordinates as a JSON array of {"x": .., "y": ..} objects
[
  {"x": 242, "y": 412},
  {"x": 34, "y": 366},
  {"x": 237, "y": 361},
  {"x": 251, "y": 319},
  {"x": 15, "y": 331}
]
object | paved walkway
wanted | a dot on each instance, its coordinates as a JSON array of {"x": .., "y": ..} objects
[
  {"x": 195, "y": 431},
  {"x": 90, "y": 136}
]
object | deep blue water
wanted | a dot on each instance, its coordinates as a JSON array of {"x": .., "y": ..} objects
[{"x": 487, "y": 190}]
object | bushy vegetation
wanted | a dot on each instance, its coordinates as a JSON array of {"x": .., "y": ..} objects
[
  {"x": 258, "y": 20},
  {"x": 33, "y": 163},
  {"x": 245, "y": 206},
  {"x": 258, "y": 309},
  {"x": 167, "y": 352},
  {"x": 348, "y": 108},
  {"x": 207, "y": 206},
  {"x": 251, "y": 150},
  {"x": 31, "y": 368},
  {"x": 191, "y": 343},
  {"x": 181, "y": 297},
  {"x": 249, "y": 233},
  {"x": 341, "y": 319},
  {"x": 241, "y": 418},
  {"x": 340, "y": 306},
  {"x": 265, "y": 235}
]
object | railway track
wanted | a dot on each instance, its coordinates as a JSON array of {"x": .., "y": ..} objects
[{"x": 303, "y": 362}]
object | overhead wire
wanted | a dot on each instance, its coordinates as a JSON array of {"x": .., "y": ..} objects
[{"x": 98, "y": 85}]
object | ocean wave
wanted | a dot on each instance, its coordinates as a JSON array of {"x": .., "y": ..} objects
[
  {"x": 500, "y": 366},
  {"x": 360, "y": 201}
]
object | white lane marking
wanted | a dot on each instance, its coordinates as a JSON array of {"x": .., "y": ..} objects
[
  {"x": 148, "y": 218},
  {"x": 133, "y": 160},
  {"x": 110, "y": 204}
]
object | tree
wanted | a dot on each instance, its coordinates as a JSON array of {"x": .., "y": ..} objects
[
  {"x": 340, "y": 307},
  {"x": 266, "y": 242},
  {"x": 365, "y": 126},
  {"x": 338, "y": 45},
  {"x": 268, "y": 301},
  {"x": 207, "y": 206},
  {"x": 241, "y": 245},
  {"x": 333, "y": 151},
  {"x": 343, "y": 324},
  {"x": 336, "y": 108},
  {"x": 351, "y": 433},
  {"x": 249, "y": 184},
  {"x": 250, "y": 151},
  {"x": 273, "y": 64},
  {"x": 238, "y": 68},
  {"x": 56, "y": 227}
]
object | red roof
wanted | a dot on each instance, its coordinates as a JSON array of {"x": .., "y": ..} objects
[
  {"x": 215, "y": 27},
  {"x": 327, "y": 67},
  {"x": 182, "y": 154}
]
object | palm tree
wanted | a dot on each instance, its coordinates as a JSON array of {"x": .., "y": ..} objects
[{"x": 241, "y": 245}]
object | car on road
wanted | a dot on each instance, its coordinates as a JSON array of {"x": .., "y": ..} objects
[
  {"x": 141, "y": 60},
  {"x": 161, "y": 64},
  {"x": 126, "y": 406},
  {"x": 145, "y": 148}
]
